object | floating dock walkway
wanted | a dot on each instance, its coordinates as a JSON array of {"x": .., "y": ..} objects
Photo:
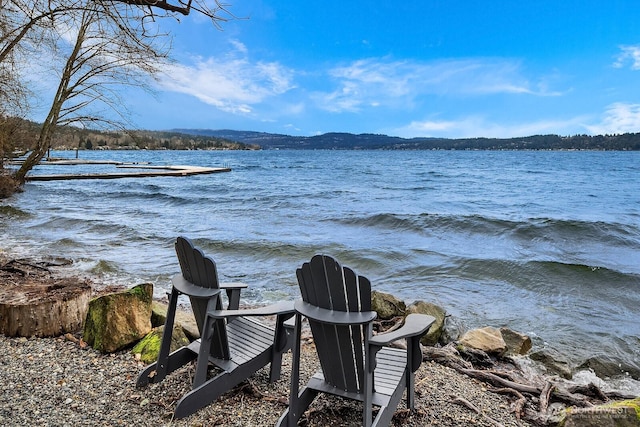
[{"x": 142, "y": 170}]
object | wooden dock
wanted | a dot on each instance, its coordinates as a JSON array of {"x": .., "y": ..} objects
[{"x": 142, "y": 171}]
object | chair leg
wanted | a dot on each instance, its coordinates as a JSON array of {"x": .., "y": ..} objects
[
  {"x": 161, "y": 365},
  {"x": 367, "y": 387},
  {"x": 275, "y": 366},
  {"x": 203, "y": 354},
  {"x": 207, "y": 392},
  {"x": 282, "y": 342},
  {"x": 293, "y": 413},
  {"x": 297, "y": 402},
  {"x": 385, "y": 414},
  {"x": 409, "y": 371}
]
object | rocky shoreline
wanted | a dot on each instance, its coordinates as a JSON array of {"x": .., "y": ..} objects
[
  {"x": 62, "y": 381},
  {"x": 56, "y": 382}
]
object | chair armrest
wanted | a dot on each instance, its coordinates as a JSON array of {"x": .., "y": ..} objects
[
  {"x": 334, "y": 317},
  {"x": 414, "y": 325},
  {"x": 185, "y": 287},
  {"x": 280, "y": 308},
  {"x": 233, "y": 293},
  {"x": 233, "y": 285}
]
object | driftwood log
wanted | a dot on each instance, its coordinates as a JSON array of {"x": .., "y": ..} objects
[
  {"x": 532, "y": 398},
  {"x": 35, "y": 302}
]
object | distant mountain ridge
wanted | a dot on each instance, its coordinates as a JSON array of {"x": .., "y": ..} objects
[{"x": 349, "y": 141}]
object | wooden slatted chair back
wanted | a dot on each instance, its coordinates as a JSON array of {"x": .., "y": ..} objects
[
  {"x": 325, "y": 283},
  {"x": 201, "y": 270}
]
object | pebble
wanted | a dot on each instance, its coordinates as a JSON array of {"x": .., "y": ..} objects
[{"x": 54, "y": 382}]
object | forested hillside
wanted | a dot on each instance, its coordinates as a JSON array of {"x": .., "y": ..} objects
[
  {"x": 627, "y": 141},
  {"x": 71, "y": 138}
]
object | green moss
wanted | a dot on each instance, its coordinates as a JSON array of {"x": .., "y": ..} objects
[
  {"x": 148, "y": 347},
  {"x": 144, "y": 292},
  {"x": 94, "y": 322}
]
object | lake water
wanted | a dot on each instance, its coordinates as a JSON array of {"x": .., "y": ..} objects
[{"x": 547, "y": 243}]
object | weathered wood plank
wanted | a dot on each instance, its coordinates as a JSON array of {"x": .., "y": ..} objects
[{"x": 153, "y": 171}]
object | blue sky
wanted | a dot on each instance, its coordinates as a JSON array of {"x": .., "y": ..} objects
[{"x": 415, "y": 68}]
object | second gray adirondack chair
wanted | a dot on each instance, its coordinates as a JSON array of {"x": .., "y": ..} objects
[
  {"x": 354, "y": 363},
  {"x": 231, "y": 339}
]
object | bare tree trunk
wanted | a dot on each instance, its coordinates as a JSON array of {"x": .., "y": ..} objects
[{"x": 62, "y": 94}]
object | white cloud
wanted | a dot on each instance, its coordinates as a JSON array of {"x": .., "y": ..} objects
[
  {"x": 618, "y": 118},
  {"x": 629, "y": 54},
  {"x": 478, "y": 126},
  {"x": 381, "y": 82},
  {"x": 233, "y": 84}
]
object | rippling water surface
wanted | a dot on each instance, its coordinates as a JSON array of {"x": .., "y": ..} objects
[{"x": 547, "y": 243}]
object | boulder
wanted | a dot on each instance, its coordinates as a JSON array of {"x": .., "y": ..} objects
[
  {"x": 487, "y": 339},
  {"x": 435, "y": 331},
  {"x": 158, "y": 313},
  {"x": 117, "y": 320},
  {"x": 517, "y": 343},
  {"x": 184, "y": 318},
  {"x": 553, "y": 362},
  {"x": 624, "y": 413},
  {"x": 386, "y": 305},
  {"x": 605, "y": 366},
  {"x": 454, "y": 328},
  {"x": 149, "y": 347}
]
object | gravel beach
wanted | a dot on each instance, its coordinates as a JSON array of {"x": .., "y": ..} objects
[{"x": 55, "y": 382}]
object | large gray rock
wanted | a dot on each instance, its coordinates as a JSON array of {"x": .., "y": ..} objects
[
  {"x": 487, "y": 339},
  {"x": 184, "y": 318},
  {"x": 435, "y": 331},
  {"x": 117, "y": 320},
  {"x": 553, "y": 362},
  {"x": 606, "y": 367},
  {"x": 454, "y": 328},
  {"x": 386, "y": 305}
]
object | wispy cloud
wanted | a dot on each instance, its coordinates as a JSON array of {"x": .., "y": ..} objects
[
  {"x": 233, "y": 83},
  {"x": 382, "y": 82},
  {"x": 629, "y": 55},
  {"x": 618, "y": 118},
  {"x": 479, "y": 126}
]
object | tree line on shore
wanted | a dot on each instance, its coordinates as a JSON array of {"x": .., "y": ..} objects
[
  {"x": 348, "y": 141},
  {"x": 72, "y": 138}
]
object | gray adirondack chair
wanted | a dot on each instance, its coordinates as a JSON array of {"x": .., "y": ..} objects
[
  {"x": 231, "y": 339},
  {"x": 354, "y": 363}
]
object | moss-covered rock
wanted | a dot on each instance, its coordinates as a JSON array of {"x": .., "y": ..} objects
[
  {"x": 435, "y": 331},
  {"x": 386, "y": 305},
  {"x": 149, "y": 347},
  {"x": 117, "y": 320}
]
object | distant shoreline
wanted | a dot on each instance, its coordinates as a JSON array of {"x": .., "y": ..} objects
[{"x": 70, "y": 138}]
